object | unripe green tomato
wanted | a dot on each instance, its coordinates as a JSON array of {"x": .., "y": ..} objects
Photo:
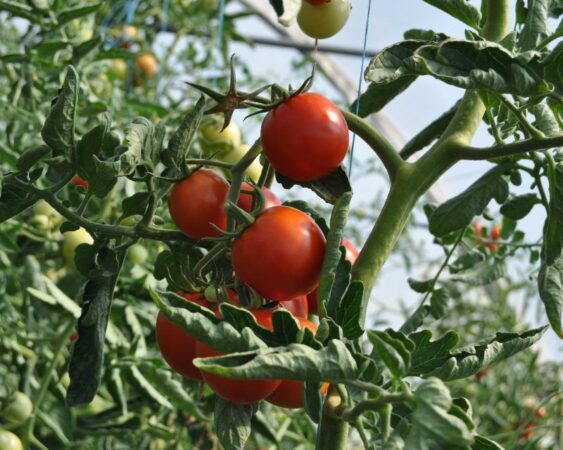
[
  {"x": 120, "y": 68},
  {"x": 324, "y": 20},
  {"x": 9, "y": 441},
  {"x": 19, "y": 408},
  {"x": 71, "y": 240},
  {"x": 212, "y": 140},
  {"x": 131, "y": 220},
  {"x": 101, "y": 86},
  {"x": 42, "y": 207},
  {"x": 253, "y": 171},
  {"x": 137, "y": 254},
  {"x": 40, "y": 222}
]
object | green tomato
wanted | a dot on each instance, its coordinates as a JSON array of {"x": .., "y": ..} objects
[
  {"x": 324, "y": 20},
  {"x": 120, "y": 68},
  {"x": 101, "y": 86},
  {"x": 212, "y": 140},
  {"x": 73, "y": 239},
  {"x": 253, "y": 171},
  {"x": 40, "y": 221},
  {"x": 137, "y": 254},
  {"x": 19, "y": 408},
  {"x": 42, "y": 207},
  {"x": 9, "y": 441}
]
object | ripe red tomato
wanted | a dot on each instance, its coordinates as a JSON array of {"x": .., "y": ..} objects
[
  {"x": 289, "y": 394},
  {"x": 280, "y": 254},
  {"x": 305, "y": 138},
  {"x": 239, "y": 391},
  {"x": 245, "y": 200},
  {"x": 78, "y": 181},
  {"x": 351, "y": 255},
  {"x": 528, "y": 430},
  {"x": 178, "y": 347},
  {"x": 298, "y": 307},
  {"x": 495, "y": 233},
  {"x": 197, "y": 202}
]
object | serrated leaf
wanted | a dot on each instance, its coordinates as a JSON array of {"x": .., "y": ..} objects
[
  {"x": 58, "y": 130},
  {"x": 377, "y": 96},
  {"x": 458, "y": 212},
  {"x": 31, "y": 157},
  {"x": 145, "y": 386},
  {"x": 439, "y": 303},
  {"x": 392, "y": 351},
  {"x": 135, "y": 205},
  {"x": 233, "y": 423},
  {"x": 432, "y": 424},
  {"x": 460, "y": 9},
  {"x": 420, "y": 286},
  {"x": 329, "y": 188},
  {"x": 181, "y": 141},
  {"x": 415, "y": 320},
  {"x": 550, "y": 285},
  {"x": 536, "y": 27},
  {"x": 332, "y": 363},
  {"x": 518, "y": 207},
  {"x": 553, "y": 237}
]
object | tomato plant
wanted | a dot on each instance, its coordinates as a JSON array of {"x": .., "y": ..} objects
[
  {"x": 291, "y": 247},
  {"x": 305, "y": 138}
]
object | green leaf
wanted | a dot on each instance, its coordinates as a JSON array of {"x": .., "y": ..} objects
[
  {"x": 467, "y": 65},
  {"x": 420, "y": 286},
  {"x": 332, "y": 252},
  {"x": 181, "y": 141},
  {"x": 13, "y": 199},
  {"x": 415, "y": 320},
  {"x": 349, "y": 315},
  {"x": 19, "y": 10},
  {"x": 518, "y": 207},
  {"x": 439, "y": 303},
  {"x": 392, "y": 351},
  {"x": 74, "y": 13},
  {"x": 233, "y": 423},
  {"x": 460, "y": 9},
  {"x": 432, "y": 426},
  {"x": 145, "y": 386},
  {"x": 482, "y": 443},
  {"x": 458, "y": 212},
  {"x": 545, "y": 119},
  {"x": 483, "y": 275},
  {"x": 58, "y": 130},
  {"x": 87, "y": 356},
  {"x": 536, "y": 27},
  {"x": 312, "y": 401},
  {"x": 553, "y": 237},
  {"x": 430, "y": 133},
  {"x": 81, "y": 50},
  {"x": 286, "y": 10},
  {"x": 55, "y": 296},
  {"x": 439, "y": 359},
  {"x": 332, "y": 363},
  {"x": 550, "y": 284},
  {"x": 31, "y": 157},
  {"x": 135, "y": 205},
  {"x": 329, "y": 188},
  {"x": 377, "y": 96}
]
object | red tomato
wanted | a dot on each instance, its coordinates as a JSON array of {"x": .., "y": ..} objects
[
  {"x": 305, "y": 138},
  {"x": 280, "y": 254},
  {"x": 351, "y": 255},
  {"x": 528, "y": 428},
  {"x": 541, "y": 413},
  {"x": 492, "y": 247},
  {"x": 245, "y": 200},
  {"x": 78, "y": 181},
  {"x": 239, "y": 391},
  {"x": 178, "y": 347},
  {"x": 495, "y": 233},
  {"x": 289, "y": 394},
  {"x": 298, "y": 307},
  {"x": 197, "y": 202}
]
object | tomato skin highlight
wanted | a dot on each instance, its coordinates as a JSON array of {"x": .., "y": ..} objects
[
  {"x": 239, "y": 391},
  {"x": 245, "y": 200},
  {"x": 305, "y": 138},
  {"x": 198, "y": 201},
  {"x": 79, "y": 181},
  {"x": 178, "y": 348},
  {"x": 280, "y": 254},
  {"x": 289, "y": 394},
  {"x": 351, "y": 255},
  {"x": 321, "y": 20}
]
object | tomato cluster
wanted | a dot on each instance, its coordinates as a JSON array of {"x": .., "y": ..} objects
[
  {"x": 279, "y": 254},
  {"x": 494, "y": 235}
]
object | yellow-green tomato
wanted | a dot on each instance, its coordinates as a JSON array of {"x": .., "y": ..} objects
[
  {"x": 253, "y": 171},
  {"x": 120, "y": 68},
  {"x": 40, "y": 222},
  {"x": 19, "y": 408},
  {"x": 321, "y": 21},
  {"x": 73, "y": 239},
  {"x": 43, "y": 208},
  {"x": 9, "y": 441},
  {"x": 212, "y": 140},
  {"x": 137, "y": 254}
]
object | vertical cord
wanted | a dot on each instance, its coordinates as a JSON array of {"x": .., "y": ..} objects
[
  {"x": 220, "y": 24},
  {"x": 366, "y": 31}
]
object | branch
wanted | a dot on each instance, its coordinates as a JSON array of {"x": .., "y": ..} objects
[
  {"x": 353, "y": 413},
  {"x": 101, "y": 228},
  {"x": 381, "y": 146},
  {"x": 473, "y": 153}
]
